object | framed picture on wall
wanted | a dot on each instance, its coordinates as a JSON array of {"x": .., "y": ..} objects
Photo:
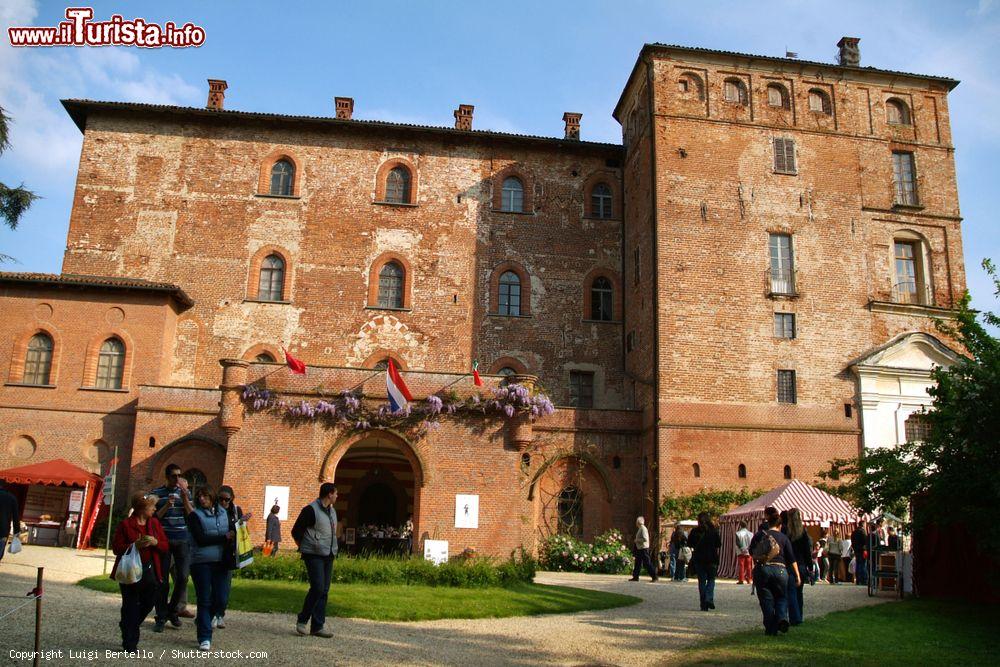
[{"x": 349, "y": 536}]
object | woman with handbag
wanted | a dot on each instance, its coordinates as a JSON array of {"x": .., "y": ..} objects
[
  {"x": 211, "y": 534},
  {"x": 143, "y": 532},
  {"x": 227, "y": 501}
]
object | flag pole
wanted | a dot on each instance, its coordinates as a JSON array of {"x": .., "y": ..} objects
[{"x": 111, "y": 509}]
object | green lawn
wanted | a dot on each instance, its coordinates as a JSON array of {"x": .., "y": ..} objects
[
  {"x": 409, "y": 603},
  {"x": 913, "y": 632}
]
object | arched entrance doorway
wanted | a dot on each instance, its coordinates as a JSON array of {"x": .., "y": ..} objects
[
  {"x": 572, "y": 498},
  {"x": 378, "y": 494}
]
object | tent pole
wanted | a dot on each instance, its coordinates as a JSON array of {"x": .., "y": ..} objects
[{"x": 111, "y": 508}]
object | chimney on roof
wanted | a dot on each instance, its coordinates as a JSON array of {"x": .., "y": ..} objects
[
  {"x": 216, "y": 94},
  {"x": 850, "y": 53},
  {"x": 572, "y": 125},
  {"x": 344, "y": 107},
  {"x": 463, "y": 117}
]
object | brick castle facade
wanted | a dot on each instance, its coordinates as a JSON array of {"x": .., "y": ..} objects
[{"x": 697, "y": 301}]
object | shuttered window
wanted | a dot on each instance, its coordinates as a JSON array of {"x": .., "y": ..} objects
[{"x": 784, "y": 155}]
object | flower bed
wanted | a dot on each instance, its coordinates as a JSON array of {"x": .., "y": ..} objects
[
  {"x": 607, "y": 555},
  {"x": 459, "y": 572}
]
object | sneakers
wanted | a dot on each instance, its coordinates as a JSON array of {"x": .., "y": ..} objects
[
  {"x": 215, "y": 622},
  {"x": 158, "y": 626},
  {"x": 301, "y": 628},
  {"x": 205, "y": 645},
  {"x": 322, "y": 632},
  {"x": 175, "y": 621},
  {"x": 220, "y": 622}
]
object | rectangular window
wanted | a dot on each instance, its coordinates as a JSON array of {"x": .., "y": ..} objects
[
  {"x": 782, "y": 264},
  {"x": 784, "y": 325},
  {"x": 905, "y": 290},
  {"x": 904, "y": 173},
  {"x": 581, "y": 389},
  {"x": 786, "y": 386},
  {"x": 635, "y": 261},
  {"x": 784, "y": 155}
]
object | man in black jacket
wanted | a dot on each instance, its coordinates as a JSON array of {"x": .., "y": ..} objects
[
  {"x": 859, "y": 544},
  {"x": 10, "y": 518}
]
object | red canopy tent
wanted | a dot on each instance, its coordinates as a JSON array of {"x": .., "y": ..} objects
[
  {"x": 818, "y": 508},
  {"x": 59, "y": 472}
]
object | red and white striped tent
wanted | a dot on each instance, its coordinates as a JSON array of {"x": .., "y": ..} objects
[{"x": 818, "y": 508}]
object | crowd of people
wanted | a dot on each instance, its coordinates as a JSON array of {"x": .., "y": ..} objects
[
  {"x": 179, "y": 535},
  {"x": 778, "y": 560}
]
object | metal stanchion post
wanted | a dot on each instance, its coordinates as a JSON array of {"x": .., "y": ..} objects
[{"x": 38, "y": 616}]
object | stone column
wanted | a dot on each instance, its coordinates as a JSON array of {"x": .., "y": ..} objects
[{"x": 234, "y": 376}]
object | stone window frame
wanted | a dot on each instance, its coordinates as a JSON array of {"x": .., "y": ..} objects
[
  {"x": 528, "y": 204},
  {"x": 522, "y": 273},
  {"x": 381, "y": 179},
  {"x": 19, "y": 355},
  {"x": 373, "y": 280},
  {"x": 264, "y": 180},
  {"x": 508, "y": 362},
  {"x": 616, "y": 289},
  {"x": 92, "y": 355},
  {"x": 609, "y": 179},
  {"x": 253, "y": 277}
]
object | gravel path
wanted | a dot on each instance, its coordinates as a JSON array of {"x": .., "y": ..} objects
[{"x": 651, "y": 632}]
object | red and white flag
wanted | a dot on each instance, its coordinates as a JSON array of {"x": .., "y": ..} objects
[{"x": 396, "y": 388}]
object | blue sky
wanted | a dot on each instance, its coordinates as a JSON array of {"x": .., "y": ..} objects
[{"x": 522, "y": 64}]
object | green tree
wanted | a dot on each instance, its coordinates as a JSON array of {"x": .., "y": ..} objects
[
  {"x": 955, "y": 468},
  {"x": 13, "y": 201}
]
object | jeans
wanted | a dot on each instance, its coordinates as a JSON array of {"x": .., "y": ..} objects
[
  {"x": 178, "y": 563},
  {"x": 744, "y": 567},
  {"x": 672, "y": 566},
  {"x": 771, "y": 582},
  {"x": 834, "y": 568},
  {"x": 641, "y": 561},
  {"x": 824, "y": 566},
  {"x": 861, "y": 571},
  {"x": 138, "y": 600},
  {"x": 227, "y": 585},
  {"x": 706, "y": 584},
  {"x": 3, "y": 546},
  {"x": 320, "y": 571},
  {"x": 794, "y": 595},
  {"x": 209, "y": 582}
]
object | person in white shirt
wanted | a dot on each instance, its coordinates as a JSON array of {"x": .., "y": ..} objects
[{"x": 744, "y": 561}]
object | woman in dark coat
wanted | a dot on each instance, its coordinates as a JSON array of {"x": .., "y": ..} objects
[
  {"x": 272, "y": 532},
  {"x": 706, "y": 542},
  {"x": 143, "y": 530},
  {"x": 678, "y": 540},
  {"x": 802, "y": 546}
]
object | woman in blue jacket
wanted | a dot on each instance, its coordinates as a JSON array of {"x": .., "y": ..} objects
[{"x": 211, "y": 535}]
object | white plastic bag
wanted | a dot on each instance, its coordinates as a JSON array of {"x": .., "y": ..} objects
[
  {"x": 15, "y": 545},
  {"x": 129, "y": 567}
]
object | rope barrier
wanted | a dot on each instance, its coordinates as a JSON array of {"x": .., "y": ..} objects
[{"x": 30, "y": 599}]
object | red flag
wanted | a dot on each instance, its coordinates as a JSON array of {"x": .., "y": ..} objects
[
  {"x": 478, "y": 381},
  {"x": 296, "y": 365}
]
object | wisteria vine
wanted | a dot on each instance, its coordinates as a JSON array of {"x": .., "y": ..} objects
[{"x": 348, "y": 410}]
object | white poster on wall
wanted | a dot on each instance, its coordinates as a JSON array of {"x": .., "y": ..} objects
[
  {"x": 466, "y": 511},
  {"x": 436, "y": 551},
  {"x": 76, "y": 500},
  {"x": 276, "y": 495}
]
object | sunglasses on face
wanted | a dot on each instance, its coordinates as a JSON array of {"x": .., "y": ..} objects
[{"x": 224, "y": 499}]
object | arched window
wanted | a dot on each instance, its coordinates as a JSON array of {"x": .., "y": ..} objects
[
  {"x": 382, "y": 365},
  {"x": 509, "y": 297},
  {"x": 264, "y": 358},
  {"x": 390, "y": 285},
  {"x": 690, "y": 85},
  {"x": 506, "y": 370},
  {"x": 111, "y": 364},
  {"x": 282, "y": 178},
  {"x": 512, "y": 195},
  {"x": 696, "y": 469},
  {"x": 571, "y": 511},
  {"x": 788, "y": 472},
  {"x": 601, "y": 300},
  {"x": 742, "y": 471},
  {"x": 38, "y": 360},
  {"x": 195, "y": 479},
  {"x": 735, "y": 91},
  {"x": 397, "y": 186},
  {"x": 600, "y": 201},
  {"x": 272, "y": 279},
  {"x": 819, "y": 101},
  {"x": 897, "y": 112},
  {"x": 777, "y": 96}
]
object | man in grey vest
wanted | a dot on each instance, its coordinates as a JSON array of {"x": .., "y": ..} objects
[{"x": 315, "y": 531}]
